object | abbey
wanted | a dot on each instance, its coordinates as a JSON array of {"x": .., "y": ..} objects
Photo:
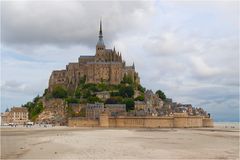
[{"x": 106, "y": 66}]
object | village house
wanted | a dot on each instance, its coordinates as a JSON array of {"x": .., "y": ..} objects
[
  {"x": 17, "y": 115},
  {"x": 139, "y": 105},
  {"x": 116, "y": 109},
  {"x": 5, "y": 119}
]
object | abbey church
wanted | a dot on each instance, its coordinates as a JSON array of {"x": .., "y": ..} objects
[{"x": 106, "y": 66}]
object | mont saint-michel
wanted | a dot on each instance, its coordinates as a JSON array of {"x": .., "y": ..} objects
[
  {"x": 102, "y": 91},
  {"x": 137, "y": 80}
]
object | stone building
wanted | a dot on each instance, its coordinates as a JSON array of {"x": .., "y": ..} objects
[
  {"x": 106, "y": 66},
  {"x": 5, "y": 119},
  {"x": 139, "y": 105},
  {"x": 152, "y": 100},
  {"x": 93, "y": 110},
  {"x": 103, "y": 95},
  {"x": 18, "y": 115},
  {"x": 116, "y": 109}
]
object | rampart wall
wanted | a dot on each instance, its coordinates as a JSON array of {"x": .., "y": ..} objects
[
  {"x": 143, "y": 122},
  {"x": 82, "y": 122}
]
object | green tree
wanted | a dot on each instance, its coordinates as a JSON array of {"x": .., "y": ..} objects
[
  {"x": 86, "y": 93},
  {"x": 35, "y": 100},
  {"x": 127, "y": 79},
  {"x": 111, "y": 101},
  {"x": 161, "y": 95},
  {"x": 78, "y": 92},
  {"x": 139, "y": 98},
  {"x": 141, "y": 88},
  {"x": 93, "y": 99},
  {"x": 102, "y": 87},
  {"x": 126, "y": 91},
  {"x": 36, "y": 110},
  {"x": 115, "y": 93},
  {"x": 7, "y": 110},
  {"x": 45, "y": 92},
  {"x": 129, "y": 103},
  {"x": 59, "y": 92},
  {"x": 72, "y": 100},
  {"x": 114, "y": 100}
]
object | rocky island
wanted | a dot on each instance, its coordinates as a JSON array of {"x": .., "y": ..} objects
[{"x": 101, "y": 90}]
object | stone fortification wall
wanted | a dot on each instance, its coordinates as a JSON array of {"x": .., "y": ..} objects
[
  {"x": 141, "y": 122},
  {"x": 144, "y": 122},
  {"x": 155, "y": 122},
  {"x": 103, "y": 120},
  {"x": 82, "y": 122},
  {"x": 207, "y": 122},
  {"x": 195, "y": 121}
]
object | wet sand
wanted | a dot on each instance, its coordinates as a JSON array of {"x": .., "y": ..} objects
[{"x": 114, "y": 143}]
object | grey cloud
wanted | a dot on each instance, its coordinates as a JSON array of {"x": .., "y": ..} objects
[
  {"x": 169, "y": 44},
  {"x": 68, "y": 23},
  {"x": 192, "y": 63},
  {"x": 13, "y": 86},
  {"x": 199, "y": 59}
]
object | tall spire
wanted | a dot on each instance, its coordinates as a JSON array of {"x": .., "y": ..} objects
[
  {"x": 100, "y": 31},
  {"x": 100, "y": 40}
]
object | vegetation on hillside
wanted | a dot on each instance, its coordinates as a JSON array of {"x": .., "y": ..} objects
[
  {"x": 34, "y": 108},
  {"x": 86, "y": 93},
  {"x": 122, "y": 93},
  {"x": 59, "y": 92},
  {"x": 161, "y": 95}
]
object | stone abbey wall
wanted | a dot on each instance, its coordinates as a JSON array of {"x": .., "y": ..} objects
[{"x": 143, "y": 122}]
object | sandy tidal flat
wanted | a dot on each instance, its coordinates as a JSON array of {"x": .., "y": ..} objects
[{"x": 97, "y": 143}]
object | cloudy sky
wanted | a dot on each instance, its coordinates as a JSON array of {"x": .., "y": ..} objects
[{"x": 188, "y": 49}]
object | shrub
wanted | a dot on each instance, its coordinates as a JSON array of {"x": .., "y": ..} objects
[
  {"x": 78, "y": 92},
  {"x": 93, "y": 99},
  {"x": 127, "y": 79},
  {"x": 59, "y": 92},
  {"x": 161, "y": 94},
  {"x": 72, "y": 100},
  {"x": 126, "y": 91},
  {"x": 139, "y": 98},
  {"x": 129, "y": 103},
  {"x": 141, "y": 88},
  {"x": 86, "y": 93}
]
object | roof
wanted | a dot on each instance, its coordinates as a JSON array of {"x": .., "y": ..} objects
[
  {"x": 100, "y": 42},
  {"x": 87, "y": 56},
  {"x": 115, "y": 105},
  {"x": 58, "y": 71},
  {"x": 104, "y": 62},
  {"x": 19, "y": 109},
  {"x": 108, "y": 50}
]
